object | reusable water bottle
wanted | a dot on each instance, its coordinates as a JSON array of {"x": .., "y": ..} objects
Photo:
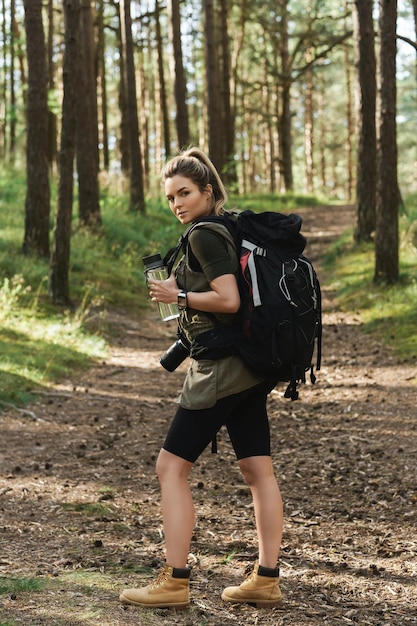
[{"x": 155, "y": 269}]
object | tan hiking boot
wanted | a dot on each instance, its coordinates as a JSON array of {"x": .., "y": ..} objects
[
  {"x": 260, "y": 588},
  {"x": 170, "y": 590}
]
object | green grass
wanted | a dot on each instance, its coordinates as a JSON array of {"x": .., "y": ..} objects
[
  {"x": 39, "y": 346},
  {"x": 388, "y": 312},
  {"x": 89, "y": 509},
  {"x": 17, "y": 585}
]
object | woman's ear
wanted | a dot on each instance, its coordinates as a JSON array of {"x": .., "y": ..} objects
[{"x": 208, "y": 189}]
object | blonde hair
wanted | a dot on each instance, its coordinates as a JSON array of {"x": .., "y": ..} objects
[{"x": 196, "y": 165}]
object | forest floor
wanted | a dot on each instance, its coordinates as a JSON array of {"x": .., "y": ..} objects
[{"x": 79, "y": 501}]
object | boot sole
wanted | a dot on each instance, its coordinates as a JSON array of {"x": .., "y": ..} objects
[
  {"x": 267, "y": 605},
  {"x": 259, "y": 604},
  {"x": 179, "y": 607}
]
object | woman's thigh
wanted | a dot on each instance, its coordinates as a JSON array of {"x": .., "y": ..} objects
[
  {"x": 244, "y": 415},
  {"x": 248, "y": 426}
]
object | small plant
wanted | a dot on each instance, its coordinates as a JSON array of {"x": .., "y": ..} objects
[
  {"x": 106, "y": 490},
  {"x": 95, "y": 509},
  {"x": 11, "y": 292},
  {"x": 18, "y": 585},
  {"x": 229, "y": 557}
]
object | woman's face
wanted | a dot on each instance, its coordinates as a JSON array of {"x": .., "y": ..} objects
[{"x": 186, "y": 201}]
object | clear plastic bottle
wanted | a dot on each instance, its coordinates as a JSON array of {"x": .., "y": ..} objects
[{"x": 155, "y": 268}]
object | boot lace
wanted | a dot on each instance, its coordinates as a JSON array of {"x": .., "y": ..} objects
[
  {"x": 250, "y": 577},
  {"x": 162, "y": 578}
]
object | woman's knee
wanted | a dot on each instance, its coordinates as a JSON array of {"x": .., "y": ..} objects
[
  {"x": 170, "y": 465},
  {"x": 256, "y": 469}
]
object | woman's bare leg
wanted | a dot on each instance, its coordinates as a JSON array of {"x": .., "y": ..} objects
[
  {"x": 177, "y": 506},
  {"x": 258, "y": 472}
]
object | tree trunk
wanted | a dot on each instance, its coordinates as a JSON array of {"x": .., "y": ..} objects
[
  {"x": 4, "y": 94},
  {"x": 124, "y": 121},
  {"x": 309, "y": 126},
  {"x": 87, "y": 122},
  {"x": 366, "y": 161},
  {"x": 228, "y": 122},
  {"x": 103, "y": 85},
  {"x": 144, "y": 113},
  {"x": 215, "y": 129},
  {"x": 181, "y": 120},
  {"x": 322, "y": 140},
  {"x": 236, "y": 100},
  {"x": 161, "y": 83},
  {"x": 12, "y": 115},
  {"x": 386, "y": 240},
  {"x": 350, "y": 126},
  {"x": 52, "y": 117},
  {"x": 267, "y": 104},
  {"x": 309, "y": 105},
  {"x": 137, "y": 197},
  {"x": 284, "y": 122},
  {"x": 37, "y": 208},
  {"x": 60, "y": 258},
  {"x": 285, "y": 136}
]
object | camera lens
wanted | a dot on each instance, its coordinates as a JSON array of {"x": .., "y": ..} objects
[{"x": 174, "y": 356}]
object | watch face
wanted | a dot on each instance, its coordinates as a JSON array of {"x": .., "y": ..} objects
[{"x": 182, "y": 300}]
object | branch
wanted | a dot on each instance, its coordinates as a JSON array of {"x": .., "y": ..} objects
[
  {"x": 23, "y": 411},
  {"x": 412, "y": 43}
]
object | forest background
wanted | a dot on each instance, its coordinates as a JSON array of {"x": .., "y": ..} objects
[
  {"x": 304, "y": 106},
  {"x": 297, "y": 103}
]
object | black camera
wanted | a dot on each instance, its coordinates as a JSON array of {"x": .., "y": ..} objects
[{"x": 174, "y": 356}]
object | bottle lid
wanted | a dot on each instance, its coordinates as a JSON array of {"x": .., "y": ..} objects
[{"x": 152, "y": 261}]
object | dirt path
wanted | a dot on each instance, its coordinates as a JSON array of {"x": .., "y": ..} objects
[{"x": 79, "y": 503}]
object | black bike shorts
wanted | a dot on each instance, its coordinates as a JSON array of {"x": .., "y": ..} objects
[{"x": 245, "y": 416}]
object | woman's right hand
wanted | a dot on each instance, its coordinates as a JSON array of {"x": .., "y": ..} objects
[{"x": 165, "y": 291}]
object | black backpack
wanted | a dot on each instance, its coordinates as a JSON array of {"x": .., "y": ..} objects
[{"x": 280, "y": 315}]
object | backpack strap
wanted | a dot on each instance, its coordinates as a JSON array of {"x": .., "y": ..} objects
[
  {"x": 320, "y": 328},
  {"x": 249, "y": 262},
  {"x": 221, "y": 224},
  {"x": 172, "y": 254}
]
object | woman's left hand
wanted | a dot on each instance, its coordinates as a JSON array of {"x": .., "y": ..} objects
[{"x": 165, "y": 291}]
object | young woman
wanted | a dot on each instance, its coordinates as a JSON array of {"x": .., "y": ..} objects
[{"x": 216, "y": 392}]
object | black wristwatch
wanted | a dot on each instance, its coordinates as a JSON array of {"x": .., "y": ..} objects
[{"x": 182, "y": 300}]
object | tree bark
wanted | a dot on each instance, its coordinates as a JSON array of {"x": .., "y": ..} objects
[
  {"x": 101, "y": 56},
  {"x": 37, "y": 207},
  {"x": 137, "y": 196},
  {"x": 387, "y": 236},
  {"x": 366, "y": 161},
  {"x": 180, "y": 90},
  {"x": 4, "y": 94},
  {"x": 123, "y": 143},
  {"x": 60, "y": 258},
  {"x": 284, "y": 122},
  {"x": 228, "y": 121},
  {"x": 52, "y": 116},
  {"x": 309, "y": 127},
  {"x": 350, "y": 126},
  {"x": 12, "y": 115},
  {"x": 87, "y": 122},
  {"x": 215, "y": 129},
  {"x": 161, "y": 83}
]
